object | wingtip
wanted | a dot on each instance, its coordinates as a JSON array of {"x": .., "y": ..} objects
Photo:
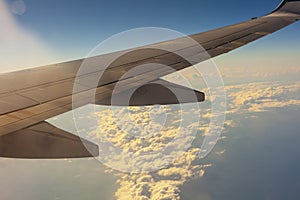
[{"x": 288, "y": 6}]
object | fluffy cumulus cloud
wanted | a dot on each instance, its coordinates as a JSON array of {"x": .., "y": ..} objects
[
  {"x": 165, "y": 183},
  {"x": 261, "y": 97},
  {"x": 140, "y": 134},
  {"x": 149, "y": 149},
  {"x": 133, "y": 140}
]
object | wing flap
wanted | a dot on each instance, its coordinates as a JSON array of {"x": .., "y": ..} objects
[
  {"x": 156, "y": 92},
  {"x": 44, "y": 141}
]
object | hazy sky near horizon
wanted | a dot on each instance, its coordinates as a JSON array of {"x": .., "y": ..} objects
[{"x": 49, "y": 31}]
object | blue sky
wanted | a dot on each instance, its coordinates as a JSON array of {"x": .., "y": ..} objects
[{"x": 71, "y": 29}]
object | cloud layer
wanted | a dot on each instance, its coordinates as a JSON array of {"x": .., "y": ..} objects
[
  {"x": 244, "y": 98},
  {"x": 165, "y": 183},
  {"x": 260, "y": 97}
]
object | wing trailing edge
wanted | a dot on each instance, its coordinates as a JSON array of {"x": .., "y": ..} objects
[{"x": 44, "y": 141}]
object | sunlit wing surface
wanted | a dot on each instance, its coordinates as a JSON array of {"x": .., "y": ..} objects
[{"x": 29, "y": 97}]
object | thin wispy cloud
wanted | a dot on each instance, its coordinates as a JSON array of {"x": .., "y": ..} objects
[{"x": 20, "y": 48}]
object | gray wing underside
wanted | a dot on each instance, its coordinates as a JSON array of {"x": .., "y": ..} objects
[
  {"x": 29, "y": 97},
  {"x": 43, "y": 140}
]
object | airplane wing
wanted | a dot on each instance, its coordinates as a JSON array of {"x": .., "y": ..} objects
[{"x": 29, "y": 97}]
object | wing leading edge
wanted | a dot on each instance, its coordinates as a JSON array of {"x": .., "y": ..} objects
[{"x": 29, "y": 97}]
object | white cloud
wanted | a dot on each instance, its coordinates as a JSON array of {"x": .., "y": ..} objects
[
  {"x": 244, "y": 98},
  {"x": 165, "y": 183},
  {"x": 260, "y": 97}
]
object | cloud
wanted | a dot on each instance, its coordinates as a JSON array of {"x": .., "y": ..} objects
[
  {"x": 261, "y": 97},
  {"x": 219, "y": 153},
  {"x": 134, "y": 142},
  {"x": 250, "y": 74},
  {"x": 20, "y": 48},
  {"x": 165, "y": 182},
  {"x": 173, "y": 168}
]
